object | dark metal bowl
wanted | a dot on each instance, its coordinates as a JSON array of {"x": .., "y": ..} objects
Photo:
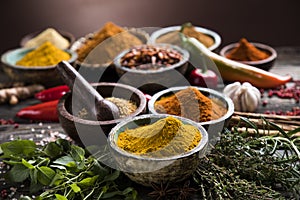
[{"x": 90, "y": 131}]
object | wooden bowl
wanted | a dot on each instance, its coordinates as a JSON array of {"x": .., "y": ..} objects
[
  {"x": 45, "y": 75},
  {"x": 147, "y": 170},
  {"x": 90, "y": 131}
]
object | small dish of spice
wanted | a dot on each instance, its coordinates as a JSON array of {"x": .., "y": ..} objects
[
  {"x": 205, "y": 106},
  {"x": 157, "y": 148},
  {"x": 255, "y": 54},
  {"x": 170, "y": 35},
  {"x": 36, "y": 65},
  {"x": 152, "y": 67}
]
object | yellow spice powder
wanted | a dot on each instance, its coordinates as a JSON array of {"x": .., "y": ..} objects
[
  {"x": 164, "y": 138},
  {"x": 45, "y": 55}
]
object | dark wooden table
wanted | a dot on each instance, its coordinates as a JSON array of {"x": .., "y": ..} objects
[{"x": 288, "y": 62}]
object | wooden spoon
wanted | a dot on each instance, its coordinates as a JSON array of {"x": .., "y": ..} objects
[{"x": 103, "y": 109}]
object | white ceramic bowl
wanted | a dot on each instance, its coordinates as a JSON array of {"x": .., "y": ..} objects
[{"x": 215, "y": 36}]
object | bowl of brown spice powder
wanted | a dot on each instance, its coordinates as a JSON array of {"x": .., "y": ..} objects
[
  {"x": 255, "y": 54},
  {"x": 205, "y": 106}
]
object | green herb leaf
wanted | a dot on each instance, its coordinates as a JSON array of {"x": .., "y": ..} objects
[
  {"x": 60, "y": 197},
  {"x": 53, "y": 150},
  {"x": 18, "y": 173},
  {"x": 18, "y": 148},
  {"x": 67, "y": 161},
  {"x": 87, "y": 182},
  {"x": 75, "y": 187},
  {"x": 45, "y": 175},
  {"x": 77, "y": 153}
]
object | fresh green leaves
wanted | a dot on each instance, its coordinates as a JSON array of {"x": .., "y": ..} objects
[
  {"x": 64, "y": 169},
  {"x": 18, "y": 148}
]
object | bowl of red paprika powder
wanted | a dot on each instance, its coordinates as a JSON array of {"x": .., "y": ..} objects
[
  {"x": 205, "y": 106},
  {"x": 255, "y": 54}
]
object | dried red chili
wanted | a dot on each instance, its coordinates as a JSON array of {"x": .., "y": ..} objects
[
  {"x": 46, "y": 111},
  {"x": 52, "y": 93}
]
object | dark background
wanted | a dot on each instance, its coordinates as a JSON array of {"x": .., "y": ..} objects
[{"x": 271, "y": 22}]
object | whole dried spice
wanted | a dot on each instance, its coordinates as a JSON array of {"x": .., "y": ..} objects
[
  {"x": 246, "y": 51},
  {"x": 192, "y": 104},
  {"x": 150, "y": 57}
]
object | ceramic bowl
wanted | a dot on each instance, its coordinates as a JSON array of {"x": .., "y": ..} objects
[
  {"x": 67, "y": 35},
  {"x": 154, "y": 80},
  {"x": 147, "y": 170},
  {"x": 45, "y": 75},
  {"x": 154, "y": 38},
  {"x": 95, "y": 71},
  {"x": 265, "y": 64},
  {"x": 213, "y": 126},
  {"x": 85, "y": 130}
]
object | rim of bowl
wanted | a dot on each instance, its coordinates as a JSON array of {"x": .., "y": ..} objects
[
  {"x": 230, "y": 105},
  {"x": 213, "y": 34},
  {"x": 185, "y": 57},
  {"x": 201, "y": 145},
  {"x": 272, "y": 51},
  {"x": 27, "y": 50},
  {"x": 64, "y": 112}
]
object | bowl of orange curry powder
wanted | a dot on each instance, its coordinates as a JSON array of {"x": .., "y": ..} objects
[
  {"x": 255, "y": 54},
  {"x": 157, "y": 149},
  {"x": 205, "y": 106}
]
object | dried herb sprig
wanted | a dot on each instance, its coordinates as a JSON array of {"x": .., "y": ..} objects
[{"x": 251, "y": 166}]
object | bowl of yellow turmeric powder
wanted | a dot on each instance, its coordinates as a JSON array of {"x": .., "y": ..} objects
[
  {"x": 36, "y": 65},
  {"x": 154, "y": 149}
]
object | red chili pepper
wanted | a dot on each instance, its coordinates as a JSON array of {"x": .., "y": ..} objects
[
  {"x": 46, "y": 111},
  {"x": 52, "y": 93}
]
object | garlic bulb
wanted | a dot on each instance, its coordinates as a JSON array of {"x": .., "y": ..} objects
[{"x": 245, "y": 97}]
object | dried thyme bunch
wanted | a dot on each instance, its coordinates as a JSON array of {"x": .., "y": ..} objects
[{"x": 252, "y": 167}]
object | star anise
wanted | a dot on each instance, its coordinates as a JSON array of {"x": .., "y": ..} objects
[
  {"x": 185, "y": 191},
  {"x": 162, "y": 191}
]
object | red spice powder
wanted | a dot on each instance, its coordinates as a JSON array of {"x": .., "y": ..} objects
[{"x": 245, "y": 51}]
